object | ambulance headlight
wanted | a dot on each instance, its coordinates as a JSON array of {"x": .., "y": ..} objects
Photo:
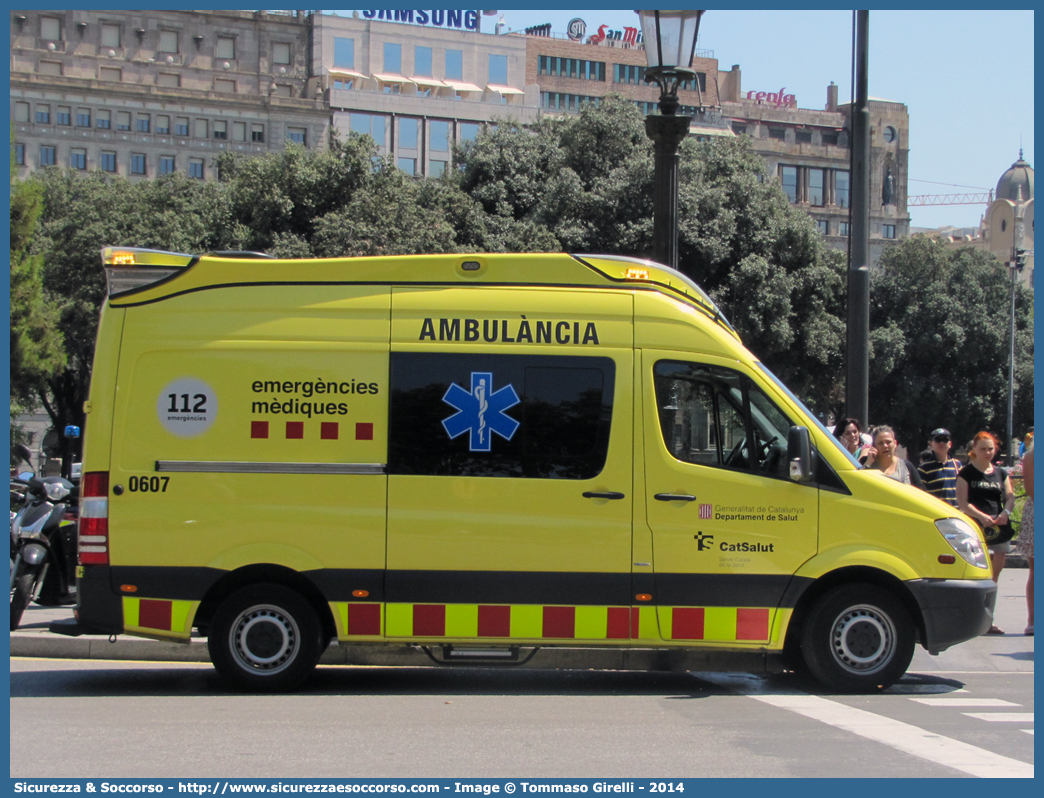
[{"x": 965, "y": 540}]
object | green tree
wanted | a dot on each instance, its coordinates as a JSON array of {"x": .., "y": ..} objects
[{"x": 939, "y": 320}]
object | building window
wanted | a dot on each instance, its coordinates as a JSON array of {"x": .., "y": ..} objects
[
  {"x": 815, "y": 187},
  {"x": 78, "y": 159},
  {"x": 181, "y": 126},
  {"x": 738, "y": 129},
  {"x": 843, "y": 228},
  {"x": 51, "y": 29},
  {"x": 220, "y": 129},
  {"x": 408, "y": 165},
  {"x": 408, "y": 128},
  {"x": 571, "y": 103},
  {"x": 498, "y": 69},
  {"x": 48, "y": 157},
  {"x": 890, "y": 134},
  {"x": 439, "y": 133},
  {"x": 239, "y": 131},
  {"x": 144, "y": 123},
  {"x": 168, "y": 41},
  {"x": 63, "y": 115},
  {"x": 422, "y": 61},
  {"x": 454, "y": 65},
  {"x": 777, "y": 133},
  {"x": 167, "y": 164},
  {"x": 841, "y": 189},
  {"x": 573, "y": 68},
  {"x": 344, "y": 52},
  {"x": 163, "y": 124},
  {"x": 224, "y": 86},
  {"x": 114, "y": 74},
  {"x": 137, "y": 163},
  {"x": 344, "y": 84},
  {"x": 371, "y": 125},
  {"x": 110, "y": 35},
  {"x": 19, "y": 154},
  {"x": 296, "y": 135},
  {"x": 21, "y": 112},
  {"x": 438, "y": 168},
  {"x": 49, "y": 68},
  {"x": 393, "y": 58},
  {"x": 195, "y": 168},
  {"x": 226, "y": 47},
  {"x": 123, "y": 120},
  {"x": 888, "y": 230},
  {"x": 626, "y": 73},
  {"x": 104, "y": 120},
  {"x": 823, "y": 226},
  {"x": 691, "y": 85},
  {"x": 257, "y": 133},
  {"x": 469, "y": 131},
  {"x": 43, "y": 114},
  {"x": 108, "y": 161},
  {"x": 280, "y": 53},
  {"x": 168, "y": 80},
  {"x": 202, "y": 129},
  {"x": 789, "y": 175},
  {"x": 83, "y": 117},
  {"x": 803, "y": 136},
  {"x": 830, "y": 139},
  {"x": 284, "y": 90}
]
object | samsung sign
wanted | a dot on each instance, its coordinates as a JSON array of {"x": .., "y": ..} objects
[{"x": 460, "y": 20}]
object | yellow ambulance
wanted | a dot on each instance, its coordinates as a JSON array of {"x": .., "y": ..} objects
[{"x": 547, "y": 458}]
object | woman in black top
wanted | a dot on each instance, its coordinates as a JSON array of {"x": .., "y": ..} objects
[{"x": 984, "y": 493}]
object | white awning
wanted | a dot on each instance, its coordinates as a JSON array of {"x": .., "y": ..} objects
[
  {"x": 429, "y": 82},
  {"x": 391, "y": 78},
  {"x": 503, "y": 89},
  {"x": 345, "y": 73},
  {"x": 458, "y": 86}
]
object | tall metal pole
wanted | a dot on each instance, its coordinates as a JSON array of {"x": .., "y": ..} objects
[
  {"x": 1017, "y": 242},
  {"x": 667, "y": 133},
  {"x": 857, "y": 385}
]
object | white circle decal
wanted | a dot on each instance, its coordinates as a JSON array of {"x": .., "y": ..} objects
[{"x": 187, "y": 407}]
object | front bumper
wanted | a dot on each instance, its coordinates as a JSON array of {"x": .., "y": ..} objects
[{"x": 954, "y": 610}]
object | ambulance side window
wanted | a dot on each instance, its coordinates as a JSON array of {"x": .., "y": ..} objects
[
  {"x": 525, "y": 416},
  {"x": 713, "y": 416}
]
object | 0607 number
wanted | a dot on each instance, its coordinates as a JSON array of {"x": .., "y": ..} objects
[{"x": 148, "y": 484}]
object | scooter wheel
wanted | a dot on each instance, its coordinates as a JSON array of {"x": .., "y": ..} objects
[
  {"x": 265, "y": 637},
  {"x": 20, "y": 597}
]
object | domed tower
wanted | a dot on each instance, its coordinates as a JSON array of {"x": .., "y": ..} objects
[{"x": 1008, "y": 223}]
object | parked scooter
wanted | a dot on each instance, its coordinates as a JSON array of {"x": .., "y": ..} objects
[{"x": 43, "y": 541}]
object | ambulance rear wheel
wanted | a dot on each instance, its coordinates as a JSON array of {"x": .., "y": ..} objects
[
  {"x": 858, "y": 638},
  {"x": 265, "y": 637}
]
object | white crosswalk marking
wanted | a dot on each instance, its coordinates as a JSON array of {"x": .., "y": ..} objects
[
  {"x": 965, "y": 702},
  {"x": 904, "y": 737},
  {"x": 995, "y": 717}
]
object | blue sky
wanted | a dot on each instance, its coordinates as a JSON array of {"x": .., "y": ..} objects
[{"x": 965, "y": 76}]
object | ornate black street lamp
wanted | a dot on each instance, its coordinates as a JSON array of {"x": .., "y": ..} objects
[{"x": 670, "y": 44}]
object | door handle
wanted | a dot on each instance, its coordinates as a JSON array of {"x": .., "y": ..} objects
[
  {"x": 612, "y": 494},
  {"x": 674, "y": 497}
]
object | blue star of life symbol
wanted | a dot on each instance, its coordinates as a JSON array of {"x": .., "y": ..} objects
[{"x": 481, "y": 411}]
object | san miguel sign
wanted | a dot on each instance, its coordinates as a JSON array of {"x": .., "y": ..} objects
[
  {"x": 776, "y": 98},
  {"x": 460, "y": 20},
  {"x": 577, "y": 29}
]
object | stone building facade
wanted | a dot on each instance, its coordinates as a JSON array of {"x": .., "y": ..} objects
[{"x": 143, "y": 93}]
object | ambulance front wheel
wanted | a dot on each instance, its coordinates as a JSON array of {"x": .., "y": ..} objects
[
  {"x": 858, "y": 638},
  {"x": 265, "y": 637}
]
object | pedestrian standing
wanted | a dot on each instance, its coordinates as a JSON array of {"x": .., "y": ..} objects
[
  {"x": 939, "y": 474},
  {"x": 882, "y": 456},
  {"x": 1026, "y": 532},
  {"x": 984, "y": 494},
  {"x": 850, "y": 433}
]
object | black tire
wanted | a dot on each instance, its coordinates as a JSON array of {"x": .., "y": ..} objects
[
  {"x": 858, "y": 638},
  {"x": 25, "y": 581},
  {"x": 265, "y": 638}
]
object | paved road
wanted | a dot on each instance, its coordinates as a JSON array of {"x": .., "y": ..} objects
[{"x": 965, "y": 713}]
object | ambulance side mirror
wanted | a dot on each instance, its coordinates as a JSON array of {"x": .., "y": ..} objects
[{"x": 799, "y": 454}]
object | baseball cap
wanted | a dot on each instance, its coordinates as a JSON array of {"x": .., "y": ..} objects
[{"x": 940, "y": 433}]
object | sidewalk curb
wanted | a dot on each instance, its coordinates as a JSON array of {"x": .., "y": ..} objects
[{"x": 58, "y": 647}]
